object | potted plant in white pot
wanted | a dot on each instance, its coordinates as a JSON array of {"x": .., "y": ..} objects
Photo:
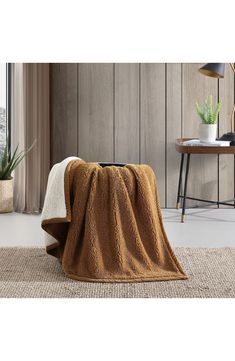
[
  {"x": 209, "y": 117},
  {"x": 8, "y": 163}
]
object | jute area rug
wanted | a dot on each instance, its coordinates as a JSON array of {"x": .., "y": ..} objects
[{"x": 30, "y": 272}]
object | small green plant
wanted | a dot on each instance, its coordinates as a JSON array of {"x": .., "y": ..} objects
[
  {"x": 9, "y": 162},
  {"x": 206, "y": 112}
]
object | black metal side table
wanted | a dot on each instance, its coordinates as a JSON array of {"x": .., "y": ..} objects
[{"x": 188, "y": 150}]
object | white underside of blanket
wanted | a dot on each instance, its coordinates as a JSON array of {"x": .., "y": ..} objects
[{"x": 54, "y": 204}]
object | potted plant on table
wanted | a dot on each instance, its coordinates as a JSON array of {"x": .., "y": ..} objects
[
  {"x": 209, "y": 117},
  {"x": 8, "y": 164}
]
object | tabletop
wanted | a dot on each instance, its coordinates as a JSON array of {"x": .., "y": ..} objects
[{"x": 201, "y": 149}]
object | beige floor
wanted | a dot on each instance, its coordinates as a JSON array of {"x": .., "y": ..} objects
[{"x": 203, "y": 228}]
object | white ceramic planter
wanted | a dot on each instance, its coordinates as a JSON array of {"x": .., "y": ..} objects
[
  {"x": 207, "y": 132},
  {"x": 6, "y": 196}
]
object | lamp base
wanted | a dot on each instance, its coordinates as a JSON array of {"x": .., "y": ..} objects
[{"x": 230, "y": 137}]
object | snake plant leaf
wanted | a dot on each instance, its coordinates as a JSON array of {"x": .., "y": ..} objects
[
  {"x": 206, "y": 113},
  {"x": 217, "y": 110},
  {"x": 10, "y": 166},
  {"x": 9, "y": 163},
  {"x": 199, "y": 110}
]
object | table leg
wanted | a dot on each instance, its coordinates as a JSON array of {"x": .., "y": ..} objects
[
  {"x": 218, "y": 198},
  {"x": 185, "y": 188},
  {"x": 180, "y": 181}
]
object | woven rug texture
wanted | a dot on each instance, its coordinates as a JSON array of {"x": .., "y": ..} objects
[{"x": 31, "y": 273}]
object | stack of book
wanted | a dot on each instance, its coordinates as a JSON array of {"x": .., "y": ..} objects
[{"x": 216, "y": 143}]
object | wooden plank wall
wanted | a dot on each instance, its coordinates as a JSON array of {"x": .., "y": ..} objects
[
  {"x": 133, "y": 112},
  {"x": 152, "y": 104},
  {"x": 95, "y": 112},
  {"x": 203, "y": 174},
  {"x": 126, "y": 113},
  {"x": 63, "y": 109},
  {"x": 226, "y": 162}
]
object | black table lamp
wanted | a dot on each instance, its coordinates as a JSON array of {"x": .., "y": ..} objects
[{"x": 216, "y": 70}]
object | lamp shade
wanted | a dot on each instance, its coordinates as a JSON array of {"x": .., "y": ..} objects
[{"x": 214, "y": 70}]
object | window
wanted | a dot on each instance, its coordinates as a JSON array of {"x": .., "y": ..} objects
[{"x": 3, "y": 105}]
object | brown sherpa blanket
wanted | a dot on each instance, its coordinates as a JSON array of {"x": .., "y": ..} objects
[{"x": 113, "y": 231}]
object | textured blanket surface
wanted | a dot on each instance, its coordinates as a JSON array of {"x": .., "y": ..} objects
[{"x": 113, "y": 230}]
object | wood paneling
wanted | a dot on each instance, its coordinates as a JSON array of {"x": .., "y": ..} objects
[
  {"x": 95, "y": 112},
  {"x": 152, "y": 125},
  {"x": 173, "y": 130},
  {"x": 126, "y": 113},
  {"x": 226, "y": 162},
  {"x": 203, "y": 173},
  {"x": 63, "y": 99},
  {"x": 133, "y": 113}
]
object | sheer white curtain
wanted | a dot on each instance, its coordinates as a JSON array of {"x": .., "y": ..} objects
[{"x": 30, "y": 121}]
